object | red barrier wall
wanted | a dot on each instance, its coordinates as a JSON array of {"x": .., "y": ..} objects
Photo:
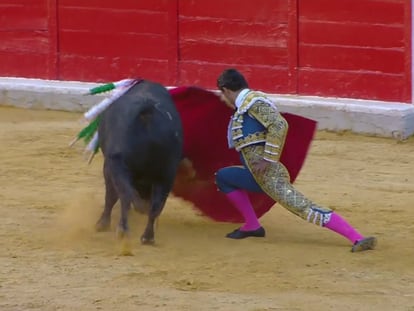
[
  {"x": 347, "y": 48},
  {"x": 258, "y": 37},
  {"x": 25, "y": 38},
  {"x": 98, "y": 42},
  {"x": 357, "y": 48}
]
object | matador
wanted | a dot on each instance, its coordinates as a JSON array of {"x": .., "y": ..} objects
[{"x": 257, "y": 131}]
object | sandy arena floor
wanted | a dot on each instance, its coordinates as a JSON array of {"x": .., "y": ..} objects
[{"x": 51, "y": 259}]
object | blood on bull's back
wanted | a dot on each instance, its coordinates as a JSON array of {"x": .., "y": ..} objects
[{"x": 141, "y": 138}]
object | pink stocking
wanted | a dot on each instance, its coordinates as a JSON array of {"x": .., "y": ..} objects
[
  {"x": 241, "y": 202},
  {"x": 341, "y": 226}
]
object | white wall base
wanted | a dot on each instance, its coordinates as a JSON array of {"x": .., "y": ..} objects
[{"x": 386, "y": 119}]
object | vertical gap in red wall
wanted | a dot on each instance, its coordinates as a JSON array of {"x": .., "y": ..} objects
[
  {"x": 52, "y": 63},
  {"x": 173, "y": 42},
  {"x": 58, "y": 73},
  {"x": 409, "y": 48},
  {"x": 408, "y": 71},
  {"x": 293, "y": 42}
]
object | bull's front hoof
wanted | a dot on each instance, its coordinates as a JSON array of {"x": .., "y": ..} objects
[
  {"x": 103, "y": 225},
  {"x": 147, "y": 241}
]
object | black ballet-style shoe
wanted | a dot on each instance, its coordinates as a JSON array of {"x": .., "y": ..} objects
[
  {"x": 239, "y": 234},
  {"x": 364, "y": 244}
]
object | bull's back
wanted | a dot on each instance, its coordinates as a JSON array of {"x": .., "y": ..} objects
[{"x": 143, "y": 127}]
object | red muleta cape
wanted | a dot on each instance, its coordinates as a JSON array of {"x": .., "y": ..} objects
[{"x": 205, "y": 119}]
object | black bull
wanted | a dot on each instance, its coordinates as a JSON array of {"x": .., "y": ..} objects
[{"x": 141, "y": 138}]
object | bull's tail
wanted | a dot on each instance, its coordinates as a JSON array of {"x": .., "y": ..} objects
[{"x": 122, "y": 182}]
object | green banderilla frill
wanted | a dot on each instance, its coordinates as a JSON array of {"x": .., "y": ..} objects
[
  {"x": 101, "y": 89},
  {"x": 88, "y": 131},
  {"x": 89, "y": 135}
]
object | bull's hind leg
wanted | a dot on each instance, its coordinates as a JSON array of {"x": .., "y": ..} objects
[
  {"x": 119, "y": 185},
  {"x": 111, "y": 196},
  {"x": 160, "y": 193},
  {"x": 121, "y": 182}
]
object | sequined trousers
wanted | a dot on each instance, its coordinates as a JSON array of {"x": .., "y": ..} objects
[{"x": 275, "y": 182}]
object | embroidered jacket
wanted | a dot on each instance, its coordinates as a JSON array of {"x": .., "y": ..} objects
[{"x": 256, "y": 120}]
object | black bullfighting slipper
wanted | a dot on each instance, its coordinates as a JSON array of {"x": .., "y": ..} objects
[
  {"x": 364, "y": 244},
  {"x": 239, "y": 234}
]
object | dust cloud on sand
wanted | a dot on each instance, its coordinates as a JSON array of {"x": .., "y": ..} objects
[{"x": 52, "y": 259}]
